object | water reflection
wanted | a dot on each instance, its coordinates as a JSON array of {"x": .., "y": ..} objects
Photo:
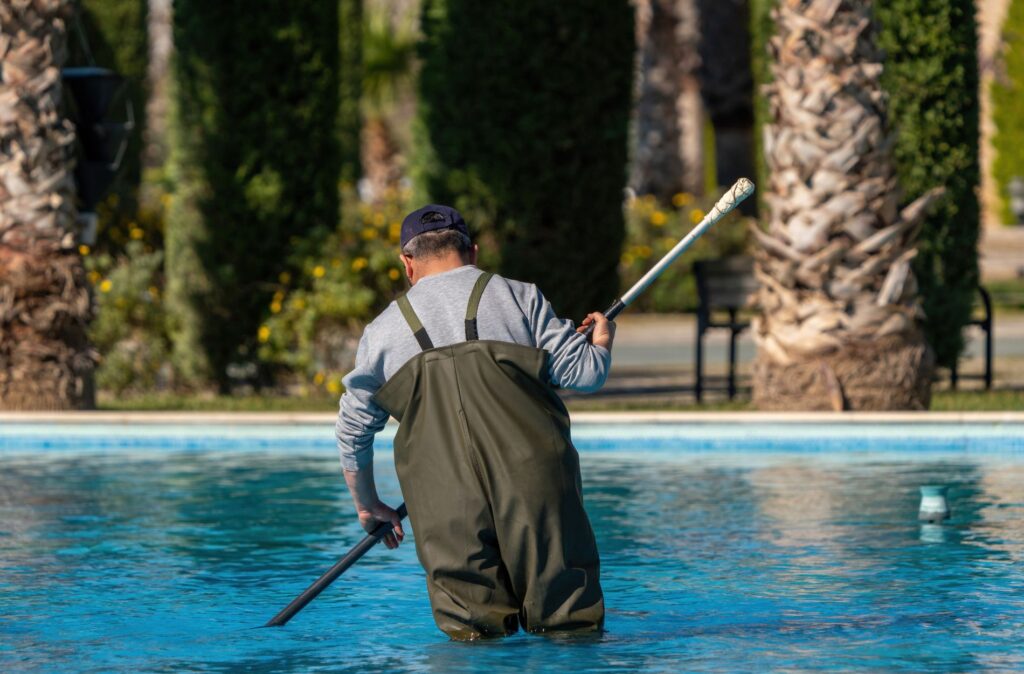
[{"x": 162, "y": 561}]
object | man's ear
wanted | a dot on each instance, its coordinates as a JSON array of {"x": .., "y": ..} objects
[
  {"x": 473, "y": 254},
  {"x": 407, "y": 262}
]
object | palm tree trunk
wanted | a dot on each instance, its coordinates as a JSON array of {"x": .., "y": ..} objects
[
  {"x": 669, "y": 141},
  {"x": 840, "y": 317},
  {"x": 45, "y": 359}
]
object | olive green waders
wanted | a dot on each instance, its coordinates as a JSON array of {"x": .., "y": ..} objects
[{"x": 492, "y": 484}]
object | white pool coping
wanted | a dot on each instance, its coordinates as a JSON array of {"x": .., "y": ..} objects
[{"x": 634, "y": 417}]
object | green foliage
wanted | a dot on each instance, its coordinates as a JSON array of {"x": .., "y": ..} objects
[
  {"x": 653, "y": 229},
  {"x": 761, "y": 29},
  {"x": 1007, "y": 104},
  {"x": 524, "y": 109},
  {"x": 350, "y": 77},
  {"x": 316, "y": 316},
  {"x": 255, "y": 167},
  {"x": 129, "y": 327},
  {"x": 112, "y": 34},
  {"x": 931, "y": 77}
]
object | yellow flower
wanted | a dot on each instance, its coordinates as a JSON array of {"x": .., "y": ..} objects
[
  {"x": 136, "y": 233},
  {"x": 275, "y": 307},
  {"x": 335, "y": 263},
  {"x": 658, "y": 218},
  {"x": 154, "y": 292},
  {"x": 395, "y": 232},
  {"x": 334, "y": 387},
  {"x": 284, "y": 277},
  {"x": 369, "y": 233},
  {"x": 379, "y": 219},
  {"x": 627, "y": 259},
  {"x": 94, "y": 277},
  {"x": 165, "y": 199},
  {"x": 319, "y": 271},
  {"x": 319, "y": 378},
  {"x": 394, "y": 275},
  {"x": 106, "y": 286},
  {"x": 682, "y": 199},
  {"x": 264, "y": 333},
  {"x": 298, "y": 303},
  {"x": 696, "y": 215},
  {"x": 83, "y": 250},
  {"x": 642, "y": 251},
  {"x": 359, "y": 264}
]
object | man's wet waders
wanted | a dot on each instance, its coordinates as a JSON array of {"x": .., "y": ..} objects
[{"x": 492, "y": 484}]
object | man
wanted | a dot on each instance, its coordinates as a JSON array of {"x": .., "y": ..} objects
[{"x": 467, "y": 362}]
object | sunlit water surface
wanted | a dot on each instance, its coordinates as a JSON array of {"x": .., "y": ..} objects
[{"x": 167, "y": 561}]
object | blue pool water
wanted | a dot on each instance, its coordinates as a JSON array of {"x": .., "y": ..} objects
[{"x": 723, "y": 549}]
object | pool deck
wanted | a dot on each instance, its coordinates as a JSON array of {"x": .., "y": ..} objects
[{"x": 682, "y": 418}]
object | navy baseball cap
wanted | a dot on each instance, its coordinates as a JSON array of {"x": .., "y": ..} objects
[{"x": 430, "y": 218}]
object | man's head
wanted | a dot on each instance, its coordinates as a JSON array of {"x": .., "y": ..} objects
[{"x": 435, "y": 239}]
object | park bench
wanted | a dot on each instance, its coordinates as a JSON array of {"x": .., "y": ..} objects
[
  {"x": 723, "y": 286},
  {"x": 983, "y": 321}
]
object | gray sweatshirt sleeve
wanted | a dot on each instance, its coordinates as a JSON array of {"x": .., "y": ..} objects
[
  {"x": 575, "y": 362},
  {"x": 359, "y": 418}
]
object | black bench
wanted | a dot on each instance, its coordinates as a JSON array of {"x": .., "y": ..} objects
[
  {"x": 723, "y": 287},
  {"x": 985, "y": 323}
]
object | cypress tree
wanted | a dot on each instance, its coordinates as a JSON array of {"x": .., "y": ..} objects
[
  {"x": 255, "y": 166},
  {"x": 350, "y": 75},
  {"x": 931, "y": 78},
  {"x": 524, "y": 109},
  {"x": 1007, "y": 104}
]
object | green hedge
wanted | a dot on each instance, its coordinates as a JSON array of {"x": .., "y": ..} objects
[
  {"x": 350, "y": 46},
  {"x": 524, "y": 111},
  {"x": 1007, "y": 105},
  {"x": 255, "y": 167},
  {"x": 931, "y": 77}
]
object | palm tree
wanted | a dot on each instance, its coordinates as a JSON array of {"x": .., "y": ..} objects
[
  {"x": 45, "y": 359},
  {"x": 668, "y": 157},
  {"x": 840, "y": 318}
]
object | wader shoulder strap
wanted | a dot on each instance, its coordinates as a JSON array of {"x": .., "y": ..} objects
[
  {"x": 474, "y": 304},
  {"x": 418, "y": 331}
]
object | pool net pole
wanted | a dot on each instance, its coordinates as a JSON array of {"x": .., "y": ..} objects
[
  {"x": 321, "y": 583},
  {"x": 742, "y": 189}
]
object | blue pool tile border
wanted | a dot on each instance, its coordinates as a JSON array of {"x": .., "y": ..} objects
[{"x": 588, "y": 437}]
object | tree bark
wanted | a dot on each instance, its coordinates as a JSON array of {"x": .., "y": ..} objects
[{"x": 46, "y": 362}]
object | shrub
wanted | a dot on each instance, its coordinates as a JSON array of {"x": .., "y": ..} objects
[
  {"x": 255, "y": 168},
  {"x": 523, "y": 118},
  {"x": 128, "y": 330},
  {"x": 931, "y": 77},
  {"x": 1007, "y": 103},
  {"x": 315, "y": 317}
]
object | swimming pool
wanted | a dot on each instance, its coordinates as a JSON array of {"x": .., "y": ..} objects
[{"x": 724, "y": 548}]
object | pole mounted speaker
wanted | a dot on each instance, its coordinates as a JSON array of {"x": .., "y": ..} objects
[{"x": 102, "y": 113}]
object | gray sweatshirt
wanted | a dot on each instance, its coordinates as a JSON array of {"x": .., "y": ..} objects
[{"x": 509, "y": 311}]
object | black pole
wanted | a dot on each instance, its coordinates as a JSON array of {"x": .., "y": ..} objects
[{"x": 321, "y": 583}]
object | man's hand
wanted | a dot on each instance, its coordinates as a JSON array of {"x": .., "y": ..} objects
[
  {"x": 370, "y": 508},
  {"x": 373, "y": 516},
  {"x": 604, "y": 330}
]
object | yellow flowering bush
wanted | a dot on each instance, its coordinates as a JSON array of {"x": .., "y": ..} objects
[
  {"x": 313, "y": 322},
  {"x": 653, "y": 229},
  {"x": 129, "y": 329}
]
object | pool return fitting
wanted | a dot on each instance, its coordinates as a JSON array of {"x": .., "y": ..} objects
[
  {"x": 730, "y": 200},
  {"x": 934, "y": 507}
]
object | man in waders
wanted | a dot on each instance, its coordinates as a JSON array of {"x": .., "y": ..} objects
[{"x": 467, "y": 363}]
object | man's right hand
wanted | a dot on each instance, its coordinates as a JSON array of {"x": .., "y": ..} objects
[
  {"x": 604, "y": 330},
  {"x": 372, "y": 517}
]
